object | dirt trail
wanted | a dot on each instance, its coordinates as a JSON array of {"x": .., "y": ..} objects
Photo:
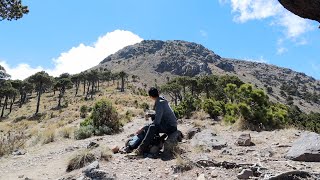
[{"x": 50, "y": 161}]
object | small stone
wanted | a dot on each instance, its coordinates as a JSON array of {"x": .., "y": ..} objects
[
  {"x": 201, "y": 177},
  {"x": 214, "y": 174},
  {"x": 18, "y": 152},
  {"x": 175, "y": 176},
  {"x": 245, "y": 174},
  {"x": 115, "y": 149},
  {"x": 92, "y": 145},
  {"x": 81, "y": 178},
  {"x": 21, "y": 176}
]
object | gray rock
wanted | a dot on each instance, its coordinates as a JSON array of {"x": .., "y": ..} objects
[
  {"x": 191, "y": 132},
  {"x": 96, "y": 174},
  {"x": 266, "y": 152},
  {"x": 244, "y": 140},
  {"x": 306, "y": 148},
  {"x": 201, "y": 177},
  {"x": 245, "y": 174},
  {"x": 92, "y": 145},
  {"x": 92, "y": 166},
  {"x": 172, "y": 141},
  {"x": 18, "y": 152},
  {"x": 81, "y": 178},
  {"x": 226, "y": 66},
  {"x": 208, "y": 140}
]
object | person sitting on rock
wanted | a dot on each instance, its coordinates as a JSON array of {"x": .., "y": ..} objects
[{"x": 164, "y": 121}]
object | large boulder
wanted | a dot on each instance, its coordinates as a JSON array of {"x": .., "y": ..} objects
[
  {"x": 172, "y": 141},
  {"x": 192, "y": 131},
  {"x": 306, "y": 148},
  {"x": 244, "y": 140},
  {"x": 208, "y": 140},
  {"x": 304, "y": 8}
]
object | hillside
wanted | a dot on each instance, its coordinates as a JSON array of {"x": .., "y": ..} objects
[{"x": 154, "y": 61}]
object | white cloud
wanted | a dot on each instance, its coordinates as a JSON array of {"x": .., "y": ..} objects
[
  {"x": 81, "y": 57},
  {"x": 294, "y": 25},
  {"x": 21, "y": 71},
  {"x": 203, "y": 33},
  {"x": 259, "y": 60},
  {"x": 246, "y": 10},
  {"x": 254, "y": 9},
  {"x": 281, "y": 50}
]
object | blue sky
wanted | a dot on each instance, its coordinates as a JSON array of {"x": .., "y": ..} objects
[{"x": 70, "y": 36}]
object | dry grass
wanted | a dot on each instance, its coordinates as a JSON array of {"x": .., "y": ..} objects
[
  {"x": 80, "y": 160},
  {"x": 10, "y": 141},
  {"x": 198, "y": 149},
  {"x": 182, "y": 164},
  {"x": 199, "y": 123},
  {"x": 105, "y": 153},
  {"x": 66, "y": 132},
  {"x": 48, "y": 136},
  {"x": 200, "y": 115},
  {"x": 42, "y": 129}
]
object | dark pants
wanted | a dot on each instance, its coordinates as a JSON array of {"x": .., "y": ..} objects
[{"x": 152, "y": 131}]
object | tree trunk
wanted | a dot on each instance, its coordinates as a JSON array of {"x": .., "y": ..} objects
[
  {"x": 4, "y": 105},
  {"x": 77, "y": 88},
  {"x": 122, "y": 84},
  {"x": 39, "y": 97},
  {"x": 59, "y": 102},
  {"x": 12, "y": 102},
  {"x": 92, "y": 89},
  {"x": 88, "y": 87},
  {"x": 84, "y": 87},
  {"x": 98, "y": 85},
  {"x": 175, "y": 101},
  {"x": 21, "y": 98}
]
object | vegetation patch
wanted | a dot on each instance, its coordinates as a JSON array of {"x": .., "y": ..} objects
[{"x": 80, "y": 160}]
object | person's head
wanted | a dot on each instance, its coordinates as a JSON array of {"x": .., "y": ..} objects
[{"x": 153, "y": 93}]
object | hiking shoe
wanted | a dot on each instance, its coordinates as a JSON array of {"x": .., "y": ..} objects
[
  {"x": 135, "y": 154},
  {"x": 125, "y": 150}
]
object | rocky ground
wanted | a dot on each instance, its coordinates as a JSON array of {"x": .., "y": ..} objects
[{"x": 212, "y": 153}]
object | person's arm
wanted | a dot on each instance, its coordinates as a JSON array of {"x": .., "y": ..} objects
[{"x": 159, "y": 113}]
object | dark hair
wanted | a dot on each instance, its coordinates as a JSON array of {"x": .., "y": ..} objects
[{"x": 153, "y": 92}]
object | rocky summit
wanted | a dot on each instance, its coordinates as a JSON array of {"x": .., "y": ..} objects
[{"x": 161, "y": 60}]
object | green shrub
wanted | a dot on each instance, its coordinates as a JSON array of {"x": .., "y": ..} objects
[
  {"x": 178, "y": 111},
  {"x": 84, "y": 132},
  {"x": 187, "y": 107},
  {"x": 277, "y": 116},
  {"x": 145, "y": 106},
  {"x": 232, "y": 112},
  {"x": 104, "y": 114},
  {"x": 230, "y": 119},
  {"x": 90, "y": 109},
  {"x": 102, "y": 130},
  {"x": 86, "y": 122},
  {"x": 83, "y": 111},
  {"x": 213, "y": 108}
]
